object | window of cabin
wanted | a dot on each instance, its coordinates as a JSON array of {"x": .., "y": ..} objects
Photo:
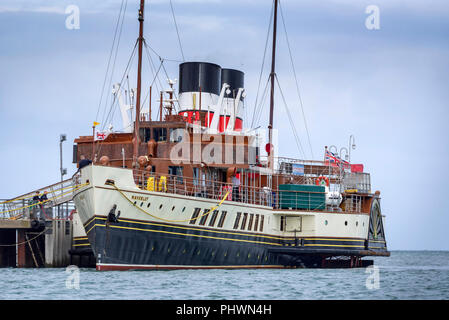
[
  {"x": 256, "y": 222},
  {"x": 250, "y": 223},
  {"x": 213, "y": 219},
  {"x": 176, "y": 171},
  {"x": 195, "y": 214},
  {"x": 245, "y": 217},
  {"x": 145, "y": 134},
  {"x": 196, "y": 176},
  {"x": 204, "y": 217},
  {"x": 176, "y": 134},
  {"x": 237, "y": 220},
  {"x": 160, "y": 134},
  {"x": 222, "y": 219},
  {"x": 261, "y": 222}
]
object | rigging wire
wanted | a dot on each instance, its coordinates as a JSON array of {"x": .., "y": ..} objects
[
  {"x": 177, "y": 31},
  {"x": 154, "y": 79},
  {"x": 163, "y": 67},
  {"x": 296, "y": 80},
  {"x": 114, "y": 101},
  {"x": 262, "y": 103},
  {"x": 152, "y": 65},
  {"x": 115, "y": 58},
  {"x": 109, "y": 60},
  {"x": 263, "y": 63},
  {"x": 292, "y": 124},
  {"x": 111, "y": 108}
]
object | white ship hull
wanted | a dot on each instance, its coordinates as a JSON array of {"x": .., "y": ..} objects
[{"x": 155, "y": 229}]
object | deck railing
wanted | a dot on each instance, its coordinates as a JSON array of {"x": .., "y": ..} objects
[{"x": 216, "y": 190}]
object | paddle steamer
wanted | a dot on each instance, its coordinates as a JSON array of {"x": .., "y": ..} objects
[{"x": 195, "y": 189}]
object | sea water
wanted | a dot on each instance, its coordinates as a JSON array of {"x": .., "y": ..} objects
[{"x": 403, "y": 275}]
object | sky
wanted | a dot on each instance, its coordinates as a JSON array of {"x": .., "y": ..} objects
[{"x": 388, "y": 87}]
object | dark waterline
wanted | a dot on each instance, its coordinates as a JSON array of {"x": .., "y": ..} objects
[{"x": 404, "y": 275}]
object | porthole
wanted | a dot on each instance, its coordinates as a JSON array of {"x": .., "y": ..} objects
[
  {"x": 183, "y": 209},
  {"x": 173, "y": 208},
  {"x": 135, "y": 202},
  {"x": 249, "y": 255},
  {"x": 148, "y": 205},
  {"x": 346, "y": 223},
  {"x": 168, "y": 250},
  {"x": 160, "y": 207},
  {"x": 356, "y": 223},
  {"x": 141, "y": 204},
  {"x": 238, "y": 254},
  {"x": 325, "y": 222},
  {"x": 226, "y": 253},
  {"x": 198, "y": 253}
]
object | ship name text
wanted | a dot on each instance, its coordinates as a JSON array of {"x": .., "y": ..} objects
[{"x": 140, "y": 198}]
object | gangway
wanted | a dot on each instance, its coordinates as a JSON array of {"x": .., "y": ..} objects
[
  {"x": 23, "y": 207},
  {"x": 39, "y": 233}
]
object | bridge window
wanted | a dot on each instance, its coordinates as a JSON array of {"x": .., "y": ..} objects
[
  {"x": 145, "y": 134},
  {"x": 160, "y": 134}
]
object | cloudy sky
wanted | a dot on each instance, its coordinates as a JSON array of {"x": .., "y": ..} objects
[{"x": 387, "y": 87}]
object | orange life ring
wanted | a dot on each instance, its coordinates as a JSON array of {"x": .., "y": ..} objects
[{"x": 319, "y": 180}]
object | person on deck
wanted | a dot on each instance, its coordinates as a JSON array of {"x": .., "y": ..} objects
[
  {"x": 43, "y": 201},
  {"x": 44, "y": 197},
  {"x": 35, "y": 205},
  {"x": 235, "y": 188},
  {"x": 83, "y": 162}
]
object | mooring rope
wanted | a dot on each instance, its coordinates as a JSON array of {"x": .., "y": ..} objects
[
  {"x": 168, "y": 220},
  {"x": 24, "y": 242}
]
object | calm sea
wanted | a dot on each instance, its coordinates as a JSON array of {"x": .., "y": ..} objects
[{"x": 404, "y": 275}]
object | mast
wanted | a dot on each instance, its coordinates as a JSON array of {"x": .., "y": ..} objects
[
  {"x": 139, "y": 76},
  {"x": 272, "y": 75}
]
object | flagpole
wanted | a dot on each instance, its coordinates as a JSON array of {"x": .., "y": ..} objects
[{"x": 93, "y": 142}]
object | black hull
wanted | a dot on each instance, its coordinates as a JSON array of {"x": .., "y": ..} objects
[{"x": 134, "y": 244}]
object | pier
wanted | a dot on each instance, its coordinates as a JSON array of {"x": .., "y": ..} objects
[{"x": 41, "y": 233}]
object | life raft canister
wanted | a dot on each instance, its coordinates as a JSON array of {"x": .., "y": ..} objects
[
  {"x": 162, "y": 187},
  {"x": 322, "y": 181},
  {"x": 150, "y": 184}
]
